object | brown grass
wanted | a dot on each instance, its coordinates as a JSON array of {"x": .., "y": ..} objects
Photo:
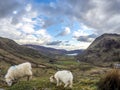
[{"x": 111, "y": 81}]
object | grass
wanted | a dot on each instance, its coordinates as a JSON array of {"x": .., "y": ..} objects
[
  {"x": 111, "y": 81},
  {"x": 84, "y": 78},
  {"x": 39, "y": 84},
  {"x": 44, "y": 84}
]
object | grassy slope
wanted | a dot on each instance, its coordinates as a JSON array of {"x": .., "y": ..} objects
[{"x": 86, "y": 77}]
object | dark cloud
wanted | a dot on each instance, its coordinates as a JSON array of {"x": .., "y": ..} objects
[
  {"x": 52, "y": 21},
  {"x": 67, "y": 41},
  {"x": 8, "y": 6},
  {"x": 17, "y": 18},
  {"x": 83, "y": 39},
  {"x": 54, "y": 43},
  {"x": 67, "y": 44},
  {"x": 113, "y": 7},
  {"x": 88, "y": 38},
  {"x": 92, "y": 36}
]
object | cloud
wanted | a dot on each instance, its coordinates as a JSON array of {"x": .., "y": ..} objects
[
  {"x": 84, "y": 34},
  {"x": 65, "y": 32},
  {"x": 40, "y": 37},
  {"x": 43, "y": 35},
  {"x": 28, "y": 7},
  {"x": 72, "y": 46},
  {"x": 54, "y": 43},
  {"x": 85, "y": 39},
  {"x": 8, "y": 30},
  {"x": 24, "y": 32},
  {"x": 7, "y": 7},
  {"x": 101, "y": 15}
]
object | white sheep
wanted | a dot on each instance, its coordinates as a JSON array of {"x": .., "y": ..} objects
[
  {"x": 18, "y": 71},
  {"x": 64, "y": 76}
]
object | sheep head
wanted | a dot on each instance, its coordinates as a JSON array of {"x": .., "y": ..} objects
[
  {"x": 52, "y": 79},
  {"x": 8, "y": 81}
]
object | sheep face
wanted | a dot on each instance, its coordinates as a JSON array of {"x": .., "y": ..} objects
[
  {"x": 52, "y": 79},
  {"x": 9, "y": 82}
]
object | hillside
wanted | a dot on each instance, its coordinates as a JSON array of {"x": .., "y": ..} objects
[
  {"x": 105, "y": 48},
  {"x": 13, "y": 53},
  {"x": 52, "y": 51}
]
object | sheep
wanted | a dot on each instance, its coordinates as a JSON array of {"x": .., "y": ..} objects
[
  {"x": 18, "y": 71},
  {"x": 64, "y": 76}
]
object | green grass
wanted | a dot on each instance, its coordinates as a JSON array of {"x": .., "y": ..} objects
[
  {"x": 44, "y": 84},
  {"x": 83, "y": 79}
]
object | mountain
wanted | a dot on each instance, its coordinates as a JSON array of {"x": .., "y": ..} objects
[
  {"x": 52, "y": 51},
  {"x": 105, "y": 48},
  {"x": 46, "y": 50},
  {"x": 13, "y": 53}
]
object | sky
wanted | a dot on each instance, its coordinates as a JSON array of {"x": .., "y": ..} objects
[{"x": 61, "y": 24}]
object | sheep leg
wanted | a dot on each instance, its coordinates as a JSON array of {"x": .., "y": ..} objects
[
  {"x": 57, "y": 82},
  {"x": 28, "y": 78},
  {"x": 66, "y": 84},
  {"x": 71, "y": 82},
  {"x": 60, "y": 83}
]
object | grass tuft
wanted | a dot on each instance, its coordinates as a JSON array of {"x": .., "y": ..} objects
[{"x": 111, "y": 81}]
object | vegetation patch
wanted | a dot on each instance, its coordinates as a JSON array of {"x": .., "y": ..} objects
[{"x": 111, "y": 81}]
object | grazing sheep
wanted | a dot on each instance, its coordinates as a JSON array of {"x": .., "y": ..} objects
[
  {"x": 62, "y": 76},
  {"x": 18, "y": 71}
]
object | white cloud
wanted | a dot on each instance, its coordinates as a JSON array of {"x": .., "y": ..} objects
[
  {"x": 72, "y": 46},
  {"x": 65, "y": 32},
  {"x": 39, "y": 37},
  {"x": 79, "y": 33},
  {"x": 28, "y": 28},
  {"x": 28, "y": 7},
  {"x": 24, "y": 32},
  {"x": 41, "y": 32},
  {"x": 15, "y": 12},
  {"x": 8, "y": 30},
  {"x": 83, "y": 31},
  {"x": 43, "y": 35}
]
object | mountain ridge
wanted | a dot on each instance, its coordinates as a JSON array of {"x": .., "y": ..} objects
[
  {"x": 53, "y": 51},
  {"x": 105, "y": 48}
]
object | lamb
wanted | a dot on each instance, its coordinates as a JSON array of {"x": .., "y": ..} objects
[
  {"x": 64, "y": 76},
  {"x": 18, "y": 71}
]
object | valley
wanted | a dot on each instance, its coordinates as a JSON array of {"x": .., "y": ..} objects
[{"x": 87, "y": 67}]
